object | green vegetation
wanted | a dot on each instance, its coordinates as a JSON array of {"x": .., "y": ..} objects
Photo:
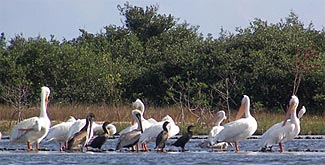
[{"x": 164, "y": 62}]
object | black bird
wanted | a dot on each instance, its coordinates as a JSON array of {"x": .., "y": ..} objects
[
  {"x": 99, "y": 141},
  {"x": 184, "y": 139},
  {"x": 162, "y": 138},
  {"x": 81, "y": 138}
]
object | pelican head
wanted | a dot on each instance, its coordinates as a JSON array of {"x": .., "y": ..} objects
[
  {"x": 109, "y": 128},
  {"x": 244, "y": 107},
  {"x": 45, "y": 93},
  {"x": 137, "y": 115},
  {"x": 221, "y": 115},
  {"x": 293, "y": 104},
  {"x": 112, "y": 129},
  {"x": 138, "y": 104}
]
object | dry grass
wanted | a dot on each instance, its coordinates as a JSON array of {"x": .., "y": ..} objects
[{"x": 121, "y": 117}]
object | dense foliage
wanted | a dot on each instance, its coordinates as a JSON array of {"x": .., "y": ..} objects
[{"x": 154, "y": 57}]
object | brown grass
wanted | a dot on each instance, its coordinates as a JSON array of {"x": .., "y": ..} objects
[{"x": 121, "y": 117}]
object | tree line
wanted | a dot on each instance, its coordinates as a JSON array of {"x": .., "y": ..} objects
[{"x": 154, "y": 57}]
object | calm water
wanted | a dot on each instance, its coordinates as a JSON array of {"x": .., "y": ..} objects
[{"x": 298, "y": 151}]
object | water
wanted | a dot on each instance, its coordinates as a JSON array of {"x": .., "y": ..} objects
[{"x": 297, "y": 151}]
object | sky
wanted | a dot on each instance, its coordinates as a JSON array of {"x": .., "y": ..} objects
[{"x": 64, "y": 18}]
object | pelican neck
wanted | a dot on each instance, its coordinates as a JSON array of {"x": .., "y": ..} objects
[
  {"x": 247, "y": 110},
  {"x": 218, "y": 122},
  {"x": 43, "y": 107}
]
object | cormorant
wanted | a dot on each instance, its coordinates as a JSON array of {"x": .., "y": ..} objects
[
  {"x": 162, "y": 138},
  {"x": 184, "y": 139}
]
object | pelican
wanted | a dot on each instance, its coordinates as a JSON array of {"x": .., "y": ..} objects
[
  {"x": 34, "y": 129},
  {"x": 138, "y": 104},
  {"x": 286, "y": 130},
  {"x": 100, "y": 140},
  {"x": 81, "y": 138},
  {"x": 79, "y": 124},
  {"x": 152, "y": 132},
  {"x": 221, "y": 115},
  {"x": 59, "y": 132},
  {"x": 162, "y": 138},
  {"x": 241, "y": 128},
  {"x": 181, "y": 142},
  {"x": 131, "y": 138}
]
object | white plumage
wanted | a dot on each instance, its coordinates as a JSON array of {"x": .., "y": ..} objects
[
  {"x": 59, "y": 132},
  {"x": 150, "y": 134},
  {"x": 79, "y": 124},
  {"x": 34, "y": 129},
  {"x": 146, "y": 123},
  {"x": 210, "y": 142},
  {"x": 285, "y": 130},
  {"x": 241, "y": 128},
  {"x": 221, "y": 115}
]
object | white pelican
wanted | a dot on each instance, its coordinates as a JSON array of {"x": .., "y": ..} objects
[
  {"x": 130, "y": 139},
  {"x": 162, "y": 138},
  {"x": 152, "y": 132},
  {"x": 241, "y": 128},
  {"x": 210, "y": 142},
  {"x": 99, "y": 140},
  {"x": 82, "y": 137},
  {"x": 138, "y": 104},
  {"x": 59, "y": 132},
  {"x": 286, "y": 130},
  {"x": 33, "y": 129},
  {"x": 221, "y": 115}
]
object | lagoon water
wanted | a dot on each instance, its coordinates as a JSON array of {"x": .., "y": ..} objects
[{"x": 298, "y": 151}]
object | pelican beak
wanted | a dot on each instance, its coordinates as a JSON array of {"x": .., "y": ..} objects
[
  {"x": 241, "y": 111},
  {"x": 46, "y": 99},
  {"x": 108, "y": 131},
  {"x": 289, "y": 111}
]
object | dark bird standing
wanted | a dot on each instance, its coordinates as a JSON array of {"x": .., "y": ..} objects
[
  {"x": 162, "y": 138},
  {"x": 81, "y": 138},
  {"x": 99, "y": 141},
  {"x": 181, "y": 142}
]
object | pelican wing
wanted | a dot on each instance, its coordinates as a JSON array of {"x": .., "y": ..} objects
[
  {"x": 129, "y": 129},
  {"x": 278, "y": 133},
  {"x": 214, "y": 132},
  {"x": 173, "y": 129},
  {"x": 237, "y": 130},
  {"x": 151, "y": 133},
  {"x": 128, "y": 139},
  {"x": 23, "y": 131},
  {"x": 59, "y": 132},
  {"x": 76, "y": 127},
  {"x": 97, "y": 127}
]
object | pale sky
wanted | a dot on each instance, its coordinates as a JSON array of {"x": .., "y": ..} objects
[{"x": 64, "y": 18}]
